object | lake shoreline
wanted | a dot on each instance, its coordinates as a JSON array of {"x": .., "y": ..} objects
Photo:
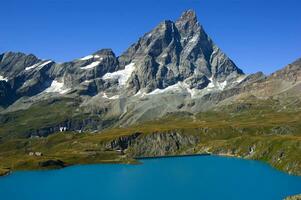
[
  {"x": 7, "y": 172},
  {"x": 172, "y": 156},
  {"x": 178, "y": 160}
]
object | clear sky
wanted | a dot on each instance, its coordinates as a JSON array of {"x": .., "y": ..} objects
[{"x": 258, "y": 35}]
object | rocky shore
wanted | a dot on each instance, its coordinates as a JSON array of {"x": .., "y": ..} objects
[
  {"x": 4, "y": 172},
  {"x": 295, "y": 197},
  {"x": 127, "y": 148}
]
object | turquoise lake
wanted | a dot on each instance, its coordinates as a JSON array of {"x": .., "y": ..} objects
[{"x": 197, "y": 177}]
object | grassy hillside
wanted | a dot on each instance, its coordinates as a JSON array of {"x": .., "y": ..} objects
[{"x": 249, "y": 131}]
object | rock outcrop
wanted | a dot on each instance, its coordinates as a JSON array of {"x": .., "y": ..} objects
[{"x": 155, "y": 144}]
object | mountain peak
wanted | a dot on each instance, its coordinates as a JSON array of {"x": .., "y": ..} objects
[
  {"x": 188, "y": 16},
  {"x": 188, "y": 24},
  {"x": 105, "y": 52},
  {"x": 173, "y": 52}
]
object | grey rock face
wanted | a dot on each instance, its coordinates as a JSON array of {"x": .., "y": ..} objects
[
  {"x": 291, "y": 72},
  {"x": 6, "y": 94},
  {"x": 197, "y": 81},
  {"x": 26, "y": 75},
  {"x": 12, "y": 64},
  {"x": 176, "y": 51},
  {"x": 83, "y": 74},
  {"x": 154, "y": 144}
]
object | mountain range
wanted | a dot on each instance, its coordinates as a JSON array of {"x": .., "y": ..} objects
[
  {"x": 174, "y": 71},
  {"x": 176, "y": 67}
]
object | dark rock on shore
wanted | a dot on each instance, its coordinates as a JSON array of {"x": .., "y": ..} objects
[{"x": 52, "y": 164}]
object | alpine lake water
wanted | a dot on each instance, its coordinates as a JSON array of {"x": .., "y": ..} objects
[{"x": 193, "y": 177}]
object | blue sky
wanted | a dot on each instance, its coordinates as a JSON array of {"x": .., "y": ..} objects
[{"x": 258, "y": 35}]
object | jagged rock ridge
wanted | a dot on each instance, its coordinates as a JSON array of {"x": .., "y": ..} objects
[
  {"x": 170, "y": 53},
  {"x": 176, "y": 67}
]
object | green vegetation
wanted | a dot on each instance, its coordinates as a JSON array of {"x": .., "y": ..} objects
[
  {"x": 295, "y": 197},
  {"x": 42, "y": 117},
  {"x": 248, "y": 130},
  {"x": 69, "y": 148},
  {"x": 282, "y": 152},
  {"x": 45, "y": 114}
]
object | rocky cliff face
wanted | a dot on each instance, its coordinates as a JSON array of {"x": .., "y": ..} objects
[
  {"x": 175, "y": 52},
  {"x": 155, "y": 144},
  {"x": 176, "y": 67},
  {"x": 28, "y": 76}
]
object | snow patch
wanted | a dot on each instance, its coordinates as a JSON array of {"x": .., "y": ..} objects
[
  {"x": 114, "y": 97},
  {"x": 221, "y": 85},
  {"x": 184, "y": 87},
  {"x": 32, "y": 67},
  {"x": 47, "y": 62},
  {"x": 216, "y": 85},
  {"x": 38, "y": 65},
  {"x": 211, "y": 85},
  {"x": 86, "y": 57},
  {"x": 90, "y": 57},
  {"x": 122, "y": 75},
  {"x": 178, "y": 87},
  {"x": 240, "y": 79},
  {"x": 2, "y": 78},
  {"x": 193, "y": 92},
  {"x": 172, "y": 88},
  {"x": 104, "y": 95},
  {"x": 88, "y": 81},
  {"x": 57, "y": 87},
  {"x": 139, "y": 93},
  {"x": 194, "y": 38},
  {"x": 164, "y": 55},
  {"x": 91, "y": 65}
]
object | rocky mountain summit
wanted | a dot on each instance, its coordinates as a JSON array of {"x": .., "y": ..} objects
[
  {"x": 172, "y": 53},
  {"x": 176, "y": 67},
  {"x": 178, "y": 52}
]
